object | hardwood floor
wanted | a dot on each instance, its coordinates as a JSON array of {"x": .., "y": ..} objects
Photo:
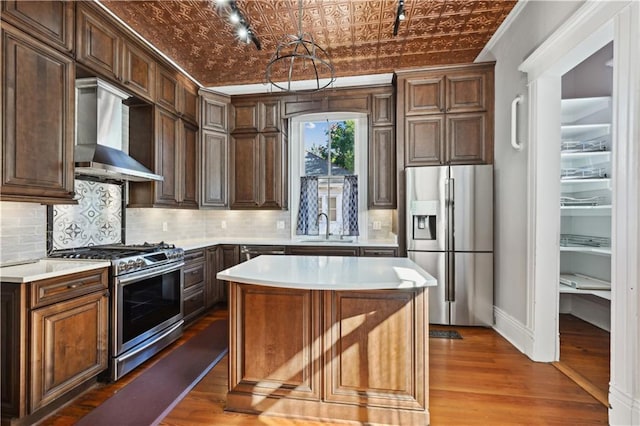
[
  {"x": 478, "y": 380},
  {"x": 585, "y": 355}
]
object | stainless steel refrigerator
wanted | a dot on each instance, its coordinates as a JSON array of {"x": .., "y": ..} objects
[{"x": 449, "y": 227}]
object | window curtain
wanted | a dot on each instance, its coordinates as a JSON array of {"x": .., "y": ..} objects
[
  {"x": 350, "y": 206},
  {"x": 308, "y": 210}
]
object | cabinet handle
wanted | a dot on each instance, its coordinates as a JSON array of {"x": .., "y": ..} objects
[{"x": 73, "y": 286}]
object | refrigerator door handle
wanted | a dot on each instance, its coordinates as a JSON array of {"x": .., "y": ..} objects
[
  {"x": 451, "y": 215},
  {"x": 451, "y": 282}
]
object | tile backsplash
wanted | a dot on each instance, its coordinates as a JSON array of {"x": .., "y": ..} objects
[
  {"x": 95, "y": 220},
  {"x": 23, "y": 226},
  {"x": 23, "y": 230}
]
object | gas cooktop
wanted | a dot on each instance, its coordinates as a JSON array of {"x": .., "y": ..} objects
[{"x": 126, "y": 258}]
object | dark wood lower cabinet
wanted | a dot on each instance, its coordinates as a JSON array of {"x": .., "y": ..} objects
[
  {"x": 194, "y": 284},
  {"x": 54, "y": 341}
]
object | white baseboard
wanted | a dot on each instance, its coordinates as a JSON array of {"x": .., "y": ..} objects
[
  {"x": 623, "y": 409},
  {"x": 513, "y": 330}
]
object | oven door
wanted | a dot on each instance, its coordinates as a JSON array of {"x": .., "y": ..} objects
[{"x": 146, "y": 302}]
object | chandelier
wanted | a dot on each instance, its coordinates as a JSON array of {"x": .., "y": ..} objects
[{"x": 298, "y": 57}]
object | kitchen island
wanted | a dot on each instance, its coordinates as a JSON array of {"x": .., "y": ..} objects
[{"x": 329, "y": 338}]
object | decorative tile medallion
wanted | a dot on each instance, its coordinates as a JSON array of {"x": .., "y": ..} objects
[{"x": 95, "y": 220}]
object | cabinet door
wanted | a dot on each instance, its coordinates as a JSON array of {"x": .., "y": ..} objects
[
  {"x": 37, "y": 120},
  {"x": 269, "y": 120},
  {"x": 244, "y": 117},
  {"x": 383, "y": 109},
  {"x": 468, "y": 139},
  {"x": 214, "y": 169},
  {"x": 13, "y": 349},
  {"x": 49, "y": 21},
  {"x": 166, "y": 156},
  {"x": 166, "y": 89},
  {"x": 68, "y": 346},
  {"x": 244, "y": 152},
  {"x": 425, "y": 140},
  {"x": 466, "y": 92},
  {"x": 214, "y": 114},
  {"x": 98, "y": 43},
  {"x": 271, "y": 171},
  {"x": 424, "y": 95},
  {"x": 189, "y": 175},
  {"x": 212, "y": 294},
  {"x": 382, "y": 170},
  {"x": 138, "y": 71},
  {"x": 188, "y": 106}
]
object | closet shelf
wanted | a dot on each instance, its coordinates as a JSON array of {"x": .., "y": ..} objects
[
  {"x": 579, "y": 108},
  {"x": 602, "y": 210},
  {"x": 604, "y": 294}
]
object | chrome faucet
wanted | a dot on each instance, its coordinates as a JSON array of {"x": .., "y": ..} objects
[{"x": 326, "y": 218}]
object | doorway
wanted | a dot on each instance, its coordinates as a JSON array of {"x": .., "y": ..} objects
[{"x": 586, "y": 148}]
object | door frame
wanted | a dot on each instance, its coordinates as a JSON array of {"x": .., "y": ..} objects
[{"x": 590, "y": 28}]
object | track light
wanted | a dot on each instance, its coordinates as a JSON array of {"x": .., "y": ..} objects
[
  {"x": 400, "y": 16},
  {"x": 237, "y": 18}
]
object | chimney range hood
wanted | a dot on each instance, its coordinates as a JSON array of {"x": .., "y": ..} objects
[{"x": 100, "y": 148}]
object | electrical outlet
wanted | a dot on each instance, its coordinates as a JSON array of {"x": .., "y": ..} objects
[
  {"x": 280, "y": 224},
  {"x": 223, "y": 224},
  {"x": 165, "y": 226},
  {"x": 377, "y": 225}
]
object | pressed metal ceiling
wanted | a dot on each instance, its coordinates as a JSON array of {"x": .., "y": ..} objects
[{"x": 358, "y": 34}]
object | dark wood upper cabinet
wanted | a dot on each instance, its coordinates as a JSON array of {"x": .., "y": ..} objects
[
  {"x": 446, "y": 115},
  {"x": 214, "y": 112},
  {"x": 468, "y": 139},
  {"x": 167, "y": 156},
  {"x": 166, "y": 89},
  {"x": 425, "y": 138},
  {"x": 269, "y": 116},
  {"x": 138, "y": 71},
  {"x": 424, "y": 95},
  {"x": 48, "y": 21},
  {"x": 188, "y": 100},
  {"x": 383, "y": 110},
  {"x": 38, "y": 91},
  {"x": 382, "y": 164},
  {"x": 189, "y": 173},
  {"x": 244, "y": 151},
  {"x": 244, "y": 117},
  {"x": 214, "y": 169},
  {"x": 467, "y": 92},
  {"x": 271, "y": 171},
  {"x": 98, "y": 43}
]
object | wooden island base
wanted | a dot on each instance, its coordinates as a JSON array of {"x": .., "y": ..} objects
[{"x": 350, "y": 355}]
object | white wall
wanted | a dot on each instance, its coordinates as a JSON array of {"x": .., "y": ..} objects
[{"x": 535, "y": 22}]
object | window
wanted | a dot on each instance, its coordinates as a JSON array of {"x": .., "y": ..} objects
[{"x": 329, "y": 146}]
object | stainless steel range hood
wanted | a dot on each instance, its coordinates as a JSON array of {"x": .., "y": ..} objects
[{"x": 102, "y": 134}]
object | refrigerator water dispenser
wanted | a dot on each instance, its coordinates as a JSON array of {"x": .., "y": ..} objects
[{"x": 424, "y": 219}]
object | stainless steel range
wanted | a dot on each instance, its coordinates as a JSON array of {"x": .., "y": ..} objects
[{"x": 146, "y": 299}]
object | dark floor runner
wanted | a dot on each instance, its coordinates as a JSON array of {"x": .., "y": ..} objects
[
  {"x": 153, "y": 394},
  {"x": 445, "y": 334}
]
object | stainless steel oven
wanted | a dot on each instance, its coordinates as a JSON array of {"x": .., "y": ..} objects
[
  {"x": 146, "y": 315},
  {"x": 146, "y": 306}
]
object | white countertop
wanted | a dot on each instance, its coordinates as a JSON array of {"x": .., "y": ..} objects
[
  {"x": 48, "y": 268},
  {"x": 193, "y": 244},
  {"x": 330, "y": 273}
]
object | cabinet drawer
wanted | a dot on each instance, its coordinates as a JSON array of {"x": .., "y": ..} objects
[
  {"x": 378, "y": 251},
  {"x": 193, "y": 303},
  {"x": 193, "y": 256},
  {"x": 322, "y": 251},
  {"x": 193, "y": 274},
  {"x": 66, "y": 287}
]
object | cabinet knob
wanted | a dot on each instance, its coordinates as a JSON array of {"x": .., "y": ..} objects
[{"x": 73, "y": 286}]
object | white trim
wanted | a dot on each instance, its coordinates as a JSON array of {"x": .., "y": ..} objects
[
  {"x": 574, "y": 41},
  {"x": 543, "y": 229},
  {"x": 502, "y": 29},
  {"x": 625, "y": 271},
  {"x": 296, "y": 156},
  {"x": 512, "y": 330},
  {"x": 349, "y": 81}
]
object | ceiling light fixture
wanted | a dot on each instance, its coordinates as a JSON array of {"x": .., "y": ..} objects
[
  {"x": 298, "y": 57},
  {"x": 237, "y": 18},
  {"x": 400, "y": 16}
]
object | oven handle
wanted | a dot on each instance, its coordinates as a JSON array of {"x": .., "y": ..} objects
[
  {"x": 160, "y": 337},
  {"x": 137, "y": 276}
]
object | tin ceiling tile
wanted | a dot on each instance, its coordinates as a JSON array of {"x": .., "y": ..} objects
[{"x": 358, "y": 34}]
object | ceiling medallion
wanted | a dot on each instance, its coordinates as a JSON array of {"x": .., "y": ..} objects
[{"x": 298, "y": 57}]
